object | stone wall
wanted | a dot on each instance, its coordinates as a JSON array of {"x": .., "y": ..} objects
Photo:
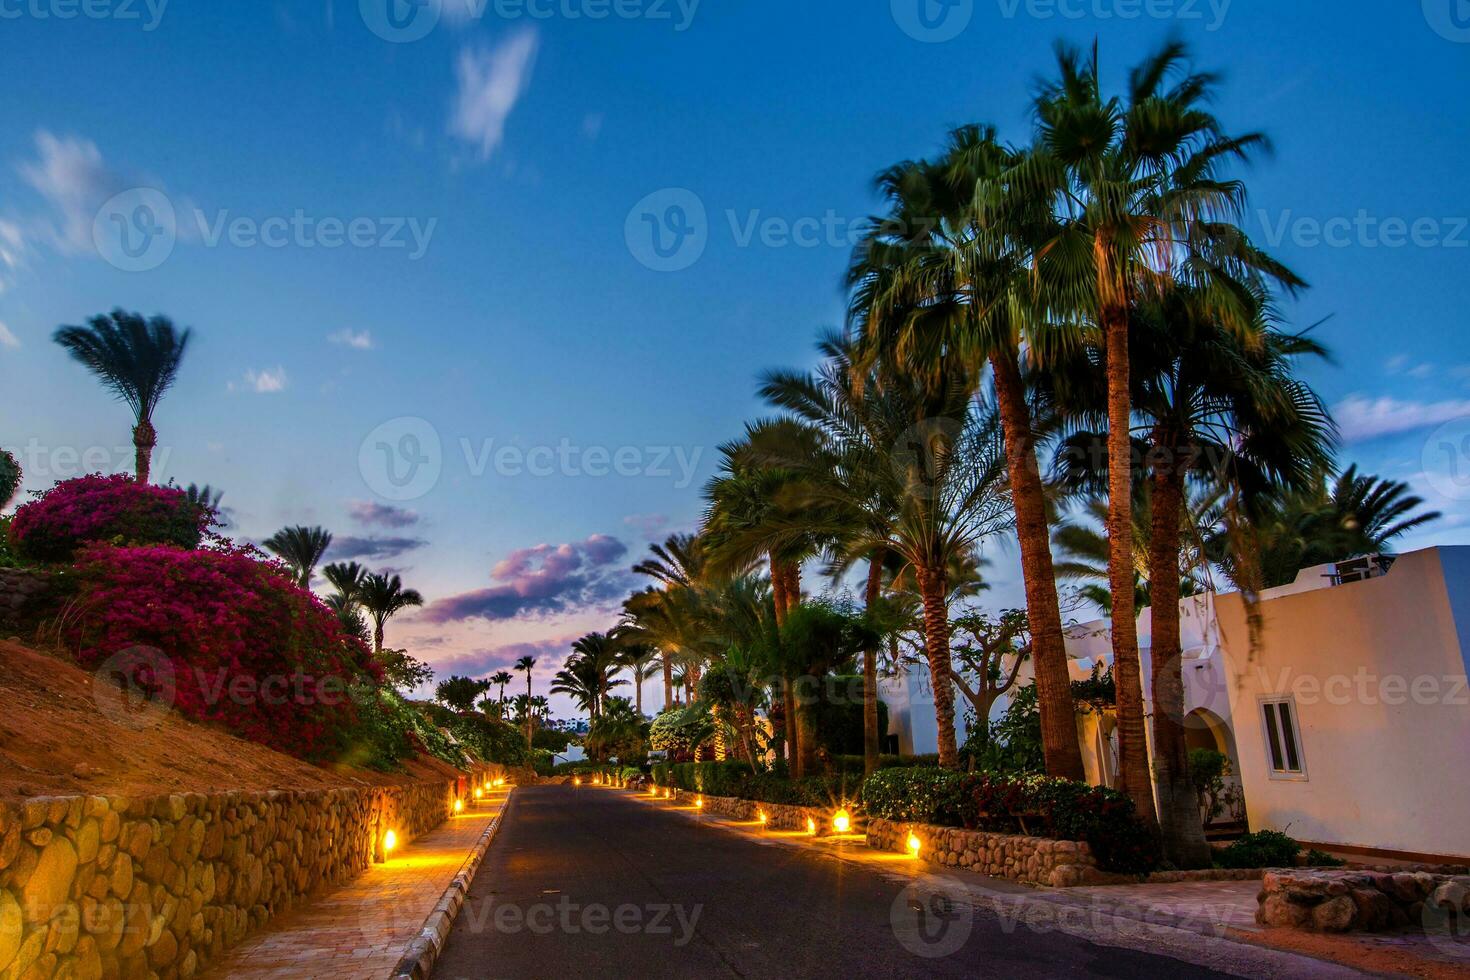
[
  {"x": 778, "y": 816},
  {"x": 20, "y": 589},
  {"x": 1035, "y": 860},
  {"x": 1367, "y": 901},
  {"x": 108, "y": 886}
]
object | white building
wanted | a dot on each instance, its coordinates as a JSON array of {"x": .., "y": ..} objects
[{"x": 1346, "y": 716}]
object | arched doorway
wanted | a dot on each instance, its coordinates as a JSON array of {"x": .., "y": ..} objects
[{"x": 1203, "y": 729}]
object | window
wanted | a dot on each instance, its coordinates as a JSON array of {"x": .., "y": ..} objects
[{"x": 1283, "y": 744}]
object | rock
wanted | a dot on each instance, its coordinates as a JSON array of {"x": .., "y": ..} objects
[
  {"x": 39, "y": 837},
  {"x": 46, "y": 890},
  {"x": 1276, "y": 910},
  {"x": 89, "y": 839},
  {"x": 1335, "y": 915},
  {"x": 11, "y": 924}
]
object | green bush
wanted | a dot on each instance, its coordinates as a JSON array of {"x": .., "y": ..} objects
[
  {"x": 1039, "y": 806},
  {"x": 390, "y": 730},
  {"x": 681, "y": 731},
  {"x": 1321, "y": 859},
  {"x": 1263, "y": 849},
  {"x": 735, "y": 779}
]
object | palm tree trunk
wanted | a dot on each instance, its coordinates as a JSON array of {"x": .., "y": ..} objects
[
  {"x": 1132, "y": 744},
  {"x": 936, "y": 650},
  {"x": 1043, "y": 612},
  {"x": 805, "y": 728},
  {"x": 378, "y": 637},
  {"x": 871, "y": 735},
  {"x": 529, "y": 711},
  {"x": 668, "y": 679},
  {"x": 788, "y": 695},
  {"x": 1179, "y": 817},
  {"x": 144, "y": 439}
]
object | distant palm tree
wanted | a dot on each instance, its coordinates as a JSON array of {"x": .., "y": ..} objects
[
  {"x": 502, "y": 678},
  {"x": 346, "y": 578},
  {"x": 383, "y": 596},
  {"x": 137, "y": 360},
  {"x": 527, "y": 664},
  {"x": 301, "y": 548},
  {"x": 588, "y": 674}
]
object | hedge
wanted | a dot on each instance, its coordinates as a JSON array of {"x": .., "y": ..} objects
[
  {"x": 1061, "y": 809},
  {"x": 735, "y": 779}
]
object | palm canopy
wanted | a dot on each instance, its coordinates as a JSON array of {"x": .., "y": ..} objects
[
  {"x": 383, "y": 596},
  {"x": 346, "y": 578},
  {"x": 137, "y": 359},
  {"x": 301, "y": 548},
  {"x": 587, "y": 676}
]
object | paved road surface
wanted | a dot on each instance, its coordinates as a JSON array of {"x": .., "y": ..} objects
[{"x": 591, "y": 883}]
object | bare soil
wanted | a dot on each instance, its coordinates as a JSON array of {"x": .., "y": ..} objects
[{"x": 57, "y": 739}]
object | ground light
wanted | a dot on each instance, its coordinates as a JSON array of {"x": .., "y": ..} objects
[
  {"x": 761, "y": 816},
  {"x": 390, "y": 841},
  {"x": 914, "y": 844},
  {"x": 577, "y": 781},
  {"x": 479, "y": 794},
  {"x": 842, "y": 821},
  {"x": 811, "y": 826},
  {"x": 459, "y": 806},
  {"x": 699, "y": 803}
]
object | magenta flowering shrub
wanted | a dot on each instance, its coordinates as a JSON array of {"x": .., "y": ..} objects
[
  {"x": 223, "y": 638},
  {"x": 115, "y": 509}
]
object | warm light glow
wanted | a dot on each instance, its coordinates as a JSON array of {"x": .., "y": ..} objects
[
  {"x": 653, "y": 791},
  {"x": 459, "y": 806},
  {"x": 390, "y": 841},
  {"x": 914, "y": 844},
  {"x": 842, "y": 821},
  {"x": 761, "y": 816},
  {"x": 699, "y": 802},
  {"x": 500, "y": 781},
  {"x": 811, "y": 825},
  {"x": 577, "y": 781},
  {"x": 478, "y": 794}
]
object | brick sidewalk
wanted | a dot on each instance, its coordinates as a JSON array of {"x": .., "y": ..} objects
[{"x": 360, "y": 930}]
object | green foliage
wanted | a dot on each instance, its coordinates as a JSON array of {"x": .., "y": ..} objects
[
  {"x": 10, "y": 477},
  {"x": 405, "y": 673},
  {"x": 1039, "y": 806},
  {"x": 1207, "y": 771},
  {"x": 1321, "y": 859},
  {"x": 1263, "y": 849},
  {"x": 619, "y": 732},
  {"x": 461, "y": 693},
  {"x": 1098, "y": 692},
  {"x": 391, "y": 730},
  {"x": 551, "y": 739},
  {"x": 731, "y": 778},
  {"x": 839, "y": 714},
  {"x": 491, "y": 740},
  {"x": 1011, "y": 744},
  {"x": 681, "y": 731},
  {"x": 8, "y": 558}
]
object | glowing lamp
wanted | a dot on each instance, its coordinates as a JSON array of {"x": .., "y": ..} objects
[
  {"x": 699, "y": 802},
  {"x": 842, "y": 821},
  {"x": 811, "y": 825},
  {"x": 479, "y": 794},
  {"x": 577, "y": 781},
  {"x": 390, "y": 841},
  {"x": 761, "y": 816},
  {"x": 914, "y": 844},
  {"x": 459, "y": 806}
]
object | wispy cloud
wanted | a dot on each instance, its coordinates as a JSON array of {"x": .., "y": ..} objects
[
  {"x": 542, "y": 581},
  {"x": 70, "y": 175},
  {"x": 347, "y": 547},
  {"x": 491, "y": 82},
  {"x": 373, "y": 514},
  {"x": 8, "y": 339},
  {"x": 266, "y": 382},
  {"x": 648, "y": 525},
  {"x": 1361, "y": 418},
  {"x": 356, "y": 339}
]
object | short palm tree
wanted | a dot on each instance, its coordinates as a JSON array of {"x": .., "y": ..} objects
[
  {"x": 587, "y": 676},
  {"x": 346, "y": 578},
  {"x": 501, "y": 678},
  {"x": 528, "y": 664},
  {"x": 137, "y": 360},
  {"x": 383, "y": 596},
  {"x": 301, "y": 548}
]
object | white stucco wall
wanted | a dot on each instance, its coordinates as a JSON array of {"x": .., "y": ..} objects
[{"x": 1377, "y": 670}]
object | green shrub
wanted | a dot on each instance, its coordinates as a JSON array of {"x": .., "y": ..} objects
[
  {"x": 681, "y": 731},
  {"x": 390, "y": 730},
  {"x": 1263, "y": 849},
  {"x": 1039, "y": 806},
  {"x": 1321, "y": 859},
  {"x": 10, "y": 477},
  {"x": 735, "y": 779}
]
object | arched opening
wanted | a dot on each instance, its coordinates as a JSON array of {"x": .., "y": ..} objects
[{"x": 1224, "y": 808}]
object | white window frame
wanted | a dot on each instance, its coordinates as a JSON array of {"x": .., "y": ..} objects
[{"x": 1299, "y": 774}]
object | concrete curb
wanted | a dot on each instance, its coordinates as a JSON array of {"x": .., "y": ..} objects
[{"x": 418, "y": 960}]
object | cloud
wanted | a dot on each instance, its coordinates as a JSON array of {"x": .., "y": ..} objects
[
  {"x": 266, "y": 382},
  {"x": 70, "y": 174},
  {"x": 648, "y": 525},
  {"x": 374, "y": 514},
  {"x": 347, "y": 547},
  {"x": 549, "y": 654},
  {"x": 8, "y": 339},
  {"x": 491, "y": 82},
  {"x": 356, "y": 339},
  {"x": 1360, "y": 418},
  {"x": 543, "y": 581}
]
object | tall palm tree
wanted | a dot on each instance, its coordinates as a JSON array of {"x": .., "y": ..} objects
[
  {"x": 383, "y": 596},
  {"x": 528, "y": 664},
  {"x": 301, "y": 548},
  {"x": 945, "y": 271},
  {"x": 137, "y": 360},
  {"x": 640, "y": 661},
  {"x": 346, "y": 578},
  {"x": 588, "y": 675},
  {"x": 1143, "y": 208}
]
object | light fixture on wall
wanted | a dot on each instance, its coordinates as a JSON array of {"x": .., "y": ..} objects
[
  {"x": 842, "y": 821},
  {"x": 459, "y": 806},
  {"x": 390, "y": 841},
  {"x": 699, "y": 803},
  {"x": 914, "y": 844},
  {"x": 761, "y": 816},
  {"x": 811, "y": 826}
]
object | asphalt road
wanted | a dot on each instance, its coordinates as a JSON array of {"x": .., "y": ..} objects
[{"x": 587, "y": 882}]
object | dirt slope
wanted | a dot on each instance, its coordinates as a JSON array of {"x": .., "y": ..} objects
[{"x": 56, "y": 740}]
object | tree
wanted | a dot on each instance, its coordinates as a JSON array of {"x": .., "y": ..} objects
[
  {"x": 460, "y": 693},
  {"x": 501, "y": 678},
  {"x": 383, "y": 596},
  {"x": 10, "y": 477},
  {"x": 138, "y": 360},
  {"x": 404, "y": 673},
  {"x": 588, "y": 674},
  {"x": 346, "y": 578},
  {"x": 640, "y": 660},
  {"x": 989, "y": 651},
  {"x": 1144, "y": 209},
  {"x": 528, "y": 664},
  {"x": 301, "y": 548}
]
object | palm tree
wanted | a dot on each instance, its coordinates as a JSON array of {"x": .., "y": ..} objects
[
  {"x": 501, "y": 678},
  {"x": 945, "y": 271},
  {"x": 587, "y": 676},
  {"x": 346, "y": 578},
  {"x": 137, "y": 360},
  {"x": 528, "y": 664},
  {"x": 383, "y": 596},
  {"x": 301, "y": 548},
  {"x": 1143, "y": 208},
  {"x": 639, "y": 659}
]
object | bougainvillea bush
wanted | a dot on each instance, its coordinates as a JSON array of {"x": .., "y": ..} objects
[
  {"x": 225, "y": 638},
  {"x": 115, "y": 509}
]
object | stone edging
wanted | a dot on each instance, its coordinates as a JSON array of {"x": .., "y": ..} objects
[{"x": 424, "y": 951}]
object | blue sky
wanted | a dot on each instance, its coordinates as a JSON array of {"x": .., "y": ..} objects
[{"x": 439, "y": 239}]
